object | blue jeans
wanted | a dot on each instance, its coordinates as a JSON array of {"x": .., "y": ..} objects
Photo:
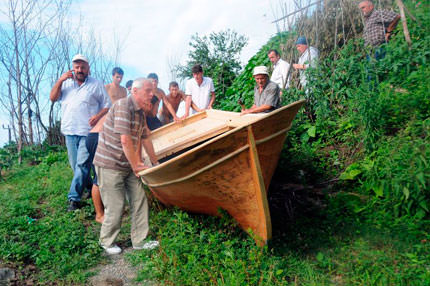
[
  {"x": 78, "y": 159},
  {"x": 378, "y": 55}
]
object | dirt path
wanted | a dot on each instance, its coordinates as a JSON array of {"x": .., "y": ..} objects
[{"x": 118, "y": 272}]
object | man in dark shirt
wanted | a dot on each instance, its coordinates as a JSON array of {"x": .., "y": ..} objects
[{"x": 266, "y": 93}]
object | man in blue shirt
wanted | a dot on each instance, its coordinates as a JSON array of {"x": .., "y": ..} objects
[{"x": 84, "y": 101}]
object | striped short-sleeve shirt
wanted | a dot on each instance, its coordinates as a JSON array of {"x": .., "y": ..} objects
[{"x": 124, "y": 118}]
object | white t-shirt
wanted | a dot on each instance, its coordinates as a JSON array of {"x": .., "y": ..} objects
[
  {"x": 279, "y": 74},
  {"x": 201, "y": 95}
]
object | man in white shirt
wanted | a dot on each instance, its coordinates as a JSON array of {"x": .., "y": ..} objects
[
  {"x": 308, "y": 58},
  {"x": 199, "y": 90},
  {"x": 280, "y": 69},
  {"x": 84, "y": 101}
]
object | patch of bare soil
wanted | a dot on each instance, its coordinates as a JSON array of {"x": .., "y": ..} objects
[{"x": 118, "y": 272}]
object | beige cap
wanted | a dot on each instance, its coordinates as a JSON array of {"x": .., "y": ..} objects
[
  {"x": 260, "y": 70},
  {"x": 79, "y": 57}
]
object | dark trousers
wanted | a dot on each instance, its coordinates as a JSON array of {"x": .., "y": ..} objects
[{"x": 153, "y": 122}]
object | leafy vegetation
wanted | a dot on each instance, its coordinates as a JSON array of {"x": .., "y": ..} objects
[
  {"x": 218, "y": 54},
  {"x": 35, "y": 228}
]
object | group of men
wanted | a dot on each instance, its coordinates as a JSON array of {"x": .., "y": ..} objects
[{"x": 105, "y": 127}]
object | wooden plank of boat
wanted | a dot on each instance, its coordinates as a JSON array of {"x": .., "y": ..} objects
[{"x": 231, "y": 170}]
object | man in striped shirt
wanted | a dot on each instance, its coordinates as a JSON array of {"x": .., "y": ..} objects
[{"x": 118, "y": 159}]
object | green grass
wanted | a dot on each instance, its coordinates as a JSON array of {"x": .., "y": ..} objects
[
  {"x": 330, "y": 246},
  {"x": 317, "y": 249},
  {"x": 36, "y": 229}
]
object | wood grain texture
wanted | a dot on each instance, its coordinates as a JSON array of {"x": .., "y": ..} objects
[{"x": 231, "y": 171}]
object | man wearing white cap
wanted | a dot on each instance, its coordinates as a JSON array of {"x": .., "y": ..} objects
[
  {"x": 84, "y": 101},
  {"x": 266, "y": 93}
]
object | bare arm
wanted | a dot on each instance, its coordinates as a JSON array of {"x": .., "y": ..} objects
[
  {"x": 393, "y": 24},
  {"x": 131, "y": 154},
  {"x": 169, "y": 107},
  {"x": 255, "y": 109},
  {"x": 211, "y": 102},
  {"x": 299, "y": 67},
  {"x": 95, "y": 118},
  {"x": 149, "y": 148},
  {"x": 194, "y": 106},
  {"x": 187, "y": 105},
  {"x": 55, "y": 93},
  {"x": 391, "y": 27}
]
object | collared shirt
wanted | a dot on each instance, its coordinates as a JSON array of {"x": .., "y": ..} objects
[
  {"x": 269, "y": 96},
  {"x": 280, "y": 72},
  {"x": 309, "y": 58},
  {"x": 375, "y": 26},
  {"x": 80, "y": 103},
  {"x": 124, "y": 118},
  {"x": 201, "y": 94}
]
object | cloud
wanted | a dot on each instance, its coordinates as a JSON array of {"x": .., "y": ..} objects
[{"x": 158, "y": 32}]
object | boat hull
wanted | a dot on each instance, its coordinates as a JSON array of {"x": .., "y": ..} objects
[{"x": 231, "y": 172}]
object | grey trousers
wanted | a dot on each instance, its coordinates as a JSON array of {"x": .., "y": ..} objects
[{"x": 114, "y": 186}]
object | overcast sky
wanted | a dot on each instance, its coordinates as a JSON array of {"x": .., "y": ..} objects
[{"x": 157, "y": 33}]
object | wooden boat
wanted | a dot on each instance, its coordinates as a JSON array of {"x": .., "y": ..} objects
[{"x": 221, "y": 160}]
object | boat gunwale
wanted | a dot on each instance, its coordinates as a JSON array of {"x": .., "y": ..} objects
[
  {"x": 216, "y": 138},
  {"x": 217, "y": 162}
]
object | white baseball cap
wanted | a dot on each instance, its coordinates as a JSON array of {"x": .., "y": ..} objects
[
  {"x": 260, "y": 70},
  {"x": 79, "y": 57}
]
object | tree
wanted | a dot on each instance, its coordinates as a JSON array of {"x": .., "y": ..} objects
[
  {"x": 23, "y": 61},
  {"x": 37, "y": 41},
  {"x": 219, "y": 56}
]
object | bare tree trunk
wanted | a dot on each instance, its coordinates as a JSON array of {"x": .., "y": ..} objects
[
  {"x": 12, "y": 110},
  {"x": 28, "y": 101},
  {"x": 18, "y": 85},
  {"x": 350, "y": 20},
  {"x": 404, "y": 22}
]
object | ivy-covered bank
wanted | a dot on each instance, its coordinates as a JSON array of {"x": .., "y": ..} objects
[{"x": 369, "y": 136}]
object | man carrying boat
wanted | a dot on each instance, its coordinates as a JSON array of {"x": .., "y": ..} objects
[
  {"x": 266, "y": 93},
  {"x": 175, "y": 97},
  {"x": 118, "y": 159},
  {"x": 158, "y": 95},
  {"x": 115, "y": 92},
  {"x": 200, "y": 90}
]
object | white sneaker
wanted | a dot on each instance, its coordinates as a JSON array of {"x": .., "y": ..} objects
[
  {"x": 148, "y": 245},
  {"x": 114, "y": 249}
]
